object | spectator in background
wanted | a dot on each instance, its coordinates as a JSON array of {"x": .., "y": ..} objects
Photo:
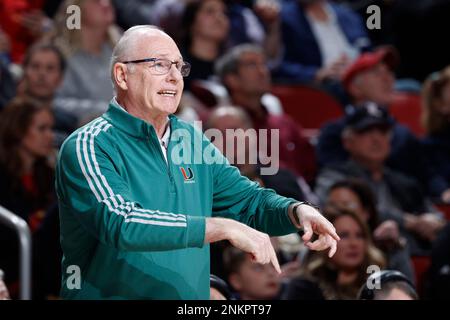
[
  {"x": 238, "y": 122},
  {"x": 44, "y": 67},
  {"x": 219, "y": 289},
  {"x": 4, "y": 294},
  {"x": 366, "y": 137},
  {"x": 250, "y": 21},
  {"x": 321, "y": 39},
  {"x": 371, "y": 79},
  {"x": 244, "y": 72},
  {"x": 234, "y": 124},
  {"x": 167, "y": 14},
  {"x": 24, "y": 22},
  {"x": 340, "y": 277},
  {"x": 388, "y": 285},
  {"x": 206, "y": 27},
  {"x": 355, "y": 195},
  {"x": 251, "y": 280},
  {"x": 436, "y": 121},
  {"x": 257, "y": 23},
  {"x": 27, "y": 189},
  {"x": 84, "y": 92},
  {"x": 7, "y": 84},
  {"x": 136, "y": 12}
]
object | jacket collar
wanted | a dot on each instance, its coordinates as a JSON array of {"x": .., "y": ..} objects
[{"x": 130, "y": 124}]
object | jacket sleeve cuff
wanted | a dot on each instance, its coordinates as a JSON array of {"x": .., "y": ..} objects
[
  {"x": 195, "y": 231},
  {"x": 291, "y": 225}
]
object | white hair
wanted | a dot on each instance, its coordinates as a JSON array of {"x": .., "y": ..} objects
[{"x": 127, "y": 44}]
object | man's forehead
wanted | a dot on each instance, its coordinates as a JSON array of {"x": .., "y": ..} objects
[
  {"x": 252, "y": 56},
  {"x": 44, "y": 54},
  {"x": 380, "y": 65},
  {"x": 376, "y": 67},
  {"x": 166, "y": 55},
  {"x": 159, "y": 47}
]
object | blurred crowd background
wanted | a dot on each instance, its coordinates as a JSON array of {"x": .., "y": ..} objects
[{"x": 363, "y": 118}]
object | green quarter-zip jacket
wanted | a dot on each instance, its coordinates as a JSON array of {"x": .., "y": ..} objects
[{"x": 133, "y": 225}]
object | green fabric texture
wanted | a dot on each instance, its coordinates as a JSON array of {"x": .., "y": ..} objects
[{"x": 134, "y": 224}]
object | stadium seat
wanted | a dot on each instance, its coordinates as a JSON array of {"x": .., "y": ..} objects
[
  {"x": 407, "y": 109},
  {"x": 421, "y": 264},
  {"x": 310, "y": 107},
  {"x": 445, "y": 209}
]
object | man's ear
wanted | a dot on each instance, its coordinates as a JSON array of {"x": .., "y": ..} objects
[
  {"x": 354, "y": 89},
  {"x": 120, "y": 75}
]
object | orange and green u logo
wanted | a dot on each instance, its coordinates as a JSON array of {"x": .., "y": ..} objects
[{"x": 189, "y": 175}]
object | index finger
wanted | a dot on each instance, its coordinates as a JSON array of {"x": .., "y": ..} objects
[
  {"x": 274, "y": 260},
  {"x": 308, "y": 232},
  {"x": 333, "y": 248},
  {"x": 329, "y": 228}
]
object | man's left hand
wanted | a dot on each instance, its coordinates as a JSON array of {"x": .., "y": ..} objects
[{"x": 312, "y": 221}]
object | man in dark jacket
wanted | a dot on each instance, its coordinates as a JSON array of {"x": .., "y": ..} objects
[
  {"x": 366, "y": 138},
  {"x": 371, "y": 79}
]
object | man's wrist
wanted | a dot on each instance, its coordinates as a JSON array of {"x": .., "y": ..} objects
[
  {"x": 296, "y": 213},
  {"x": 215, "y": 229}
]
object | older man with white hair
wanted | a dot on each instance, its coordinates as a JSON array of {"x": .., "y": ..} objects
[{"x": 135, "y": 221}]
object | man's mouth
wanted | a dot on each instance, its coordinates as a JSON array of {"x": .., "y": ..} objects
[{"x": 167, "y": 93}]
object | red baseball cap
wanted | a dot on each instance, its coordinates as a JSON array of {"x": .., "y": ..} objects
[{"x": 367, "y": 60}]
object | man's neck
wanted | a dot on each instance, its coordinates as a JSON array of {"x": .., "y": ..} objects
[
  {"x": 357, "y": 102},
  {"x": 204, "y": 49},
  {"x": 388, "y": 99},
  {"x": 317, "y": 11},
  {"x": 47, "y": 100},
  {"x": 158, "y": 121},
  {"x": 375, "y": 169},
  {"x": 93, "y": 39}
]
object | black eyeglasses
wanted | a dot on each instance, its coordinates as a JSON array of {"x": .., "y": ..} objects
[{"x": 162, "y": 66}]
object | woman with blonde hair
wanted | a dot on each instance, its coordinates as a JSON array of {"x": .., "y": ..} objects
[
  {"x": 436, "y": 120},
  {"x": 339, "y": 277},
  {"x": 86, "y": 90}
]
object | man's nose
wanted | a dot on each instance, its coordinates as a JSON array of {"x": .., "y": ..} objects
[
  {"x": 174, "y": 75},
  {"x": 378, "y": 133},
  {"x": 376, "y": 140},
  {"x": 387, "y": 75},
  {"x": 41, "y": 72},
  {"x": 262, "y": 68}
]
